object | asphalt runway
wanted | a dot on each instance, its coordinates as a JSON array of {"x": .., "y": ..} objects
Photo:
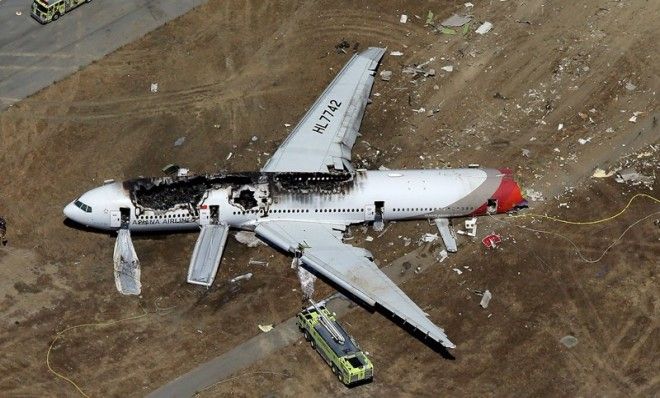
[{"x": 33, "y": 56}]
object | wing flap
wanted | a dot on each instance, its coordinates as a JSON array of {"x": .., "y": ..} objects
[{"x": 319, "y": 246}]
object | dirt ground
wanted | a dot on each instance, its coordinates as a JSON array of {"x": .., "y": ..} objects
[{"x": 231, "y": 70}]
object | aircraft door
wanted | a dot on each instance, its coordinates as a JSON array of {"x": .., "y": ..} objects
[
  {"x": 369, "y": 212},
  {"x": 115, "y": 219},
  {"x": 204, "y": 215}
]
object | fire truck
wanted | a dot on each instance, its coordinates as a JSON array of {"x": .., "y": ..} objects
[
  {"x": 46, "y": 11},
  {"x": 339, "y": 350}
]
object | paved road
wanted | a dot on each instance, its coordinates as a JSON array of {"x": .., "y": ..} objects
[
  {"x": 284, "y": 334},
  {"x": 33, "y": 56}
]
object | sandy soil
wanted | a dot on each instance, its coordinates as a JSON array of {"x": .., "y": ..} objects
[{"x": 231, "y": 70}]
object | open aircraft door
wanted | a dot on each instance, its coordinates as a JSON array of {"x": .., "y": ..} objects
[{"x": 204, "y": 215}]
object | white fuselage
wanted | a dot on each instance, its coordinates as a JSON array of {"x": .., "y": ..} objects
[{"x": 259, "y": 197}]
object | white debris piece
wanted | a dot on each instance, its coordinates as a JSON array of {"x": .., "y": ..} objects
[
  {"x": 526, "y": 152},
  {"x": 241, "y": 277},
  {"x": 255, "y": 138},
  {"x": 560, "y": 127},
  {"x": 266, "y": 328},
  {"x": 448, "y": 68},
  {"x": 471, "y": 226},
  {"x": 442, "y": 255},
  {"x": 386, "y": 75},
  {"x": 630, "y": 175},
  {"x": 248, "y": 238},
  {"x": 19, "y": 13},
  {"x": 404, "y": 18},
  {"x": 630, "y": 86},
  {"x": 154, "y": 87},
  {"x": 396, "y": 53},
  {"x": 306, "y": 279},
  {"x": 600, "y": 173},
  {"x": 369, "y": 239},
  {"x": 179, "y": 141},
  {"x": 485, "y": 299},
  {"x": 458, "y": 271},
  {"x": 428, "y": 238},
  {"x": 484, "y": 28},
  {"x": 468, "y": 5},
  {"x": 569, "y": 341},
  {"x": 287, "y": 125},
  {"x": 583, "y": 141}
]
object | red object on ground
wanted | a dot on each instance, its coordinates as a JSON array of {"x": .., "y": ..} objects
[{"x": 491, "y": 240}]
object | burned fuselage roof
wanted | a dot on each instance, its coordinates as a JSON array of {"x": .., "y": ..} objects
[{"x": 165, "y": 193}]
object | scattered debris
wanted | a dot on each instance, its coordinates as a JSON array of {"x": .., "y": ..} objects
[
  {"x": 458, "y": 271},
  {"x": 456, "y": 21},
  {"x": 241, "y": 277},
  {"x": 534, "y": 196},
  {"x": 633, "y": 118},
  {"x": 630, "y": 86},
  {"x": 498, "y": 95},
  {"x": 248, "y": 238},
  {"x": 569, "y": 341},
  {"x": 3, "y": 232},
  {"x": 369, "y": 239},
  {"x": 583, "y": 141},
  {"x": 179, "y": 141},
  {"x": 386, "y": 75},
  {"x": 442, "y": 255},
  {"x": 403, "y": 19},
  {"x": 429, "y": 18},
  {"x": 448, "y": 68},
  {"x": 491, "y": 241},
  {"x": 396, "y": 53},
  {"x": 154, "y": 87},
  {"x": 266, "y": 328},
  {"x": 428, "y": 238},
  {"x": 485, "y": 299},
  {"x": 630, "y": 175},
  {"x": 484, "y": 28},
  {"x": 342, "y": 46}
]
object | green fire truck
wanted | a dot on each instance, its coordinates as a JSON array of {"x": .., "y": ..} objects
[
  {"x": 335, "y": 345},
  {"x": 45, "y": 11}
]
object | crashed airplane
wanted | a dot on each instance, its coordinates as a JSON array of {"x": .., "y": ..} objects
[{"x": 302, "y": 201}]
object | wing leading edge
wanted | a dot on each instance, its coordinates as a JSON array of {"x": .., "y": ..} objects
[
  {"x": 321, "y": 249},
  {"x": 323, "y": 139}
]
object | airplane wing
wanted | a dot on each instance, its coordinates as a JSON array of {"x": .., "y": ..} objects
[
  {"x": 323, "y": 139},
  {"x": 321, "y": 249}
]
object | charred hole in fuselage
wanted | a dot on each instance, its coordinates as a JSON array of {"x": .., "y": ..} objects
[
  {"x": 246, "y": 198},
  {"x": 492, "y": 205}
]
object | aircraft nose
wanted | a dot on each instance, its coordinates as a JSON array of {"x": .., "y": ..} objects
[{"x": 70, "y": 211}]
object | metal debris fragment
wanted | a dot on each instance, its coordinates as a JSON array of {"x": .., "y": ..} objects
[
  {"x": 485, "y": 299},
  {"x": 484, "y": 28},
  {"x": 179, "y": 141},
  {"x": 386, "y": 75},
  {"x": 456, "y": 21},
  {"x": 569, "y": 341},
  {"x": 241, "y": 277},
  {"x": 154, "y": 87},
  {"x": 266, "y": 328}
]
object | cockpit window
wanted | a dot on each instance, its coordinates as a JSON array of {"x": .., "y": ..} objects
[{"x": 82, "y": 206}]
